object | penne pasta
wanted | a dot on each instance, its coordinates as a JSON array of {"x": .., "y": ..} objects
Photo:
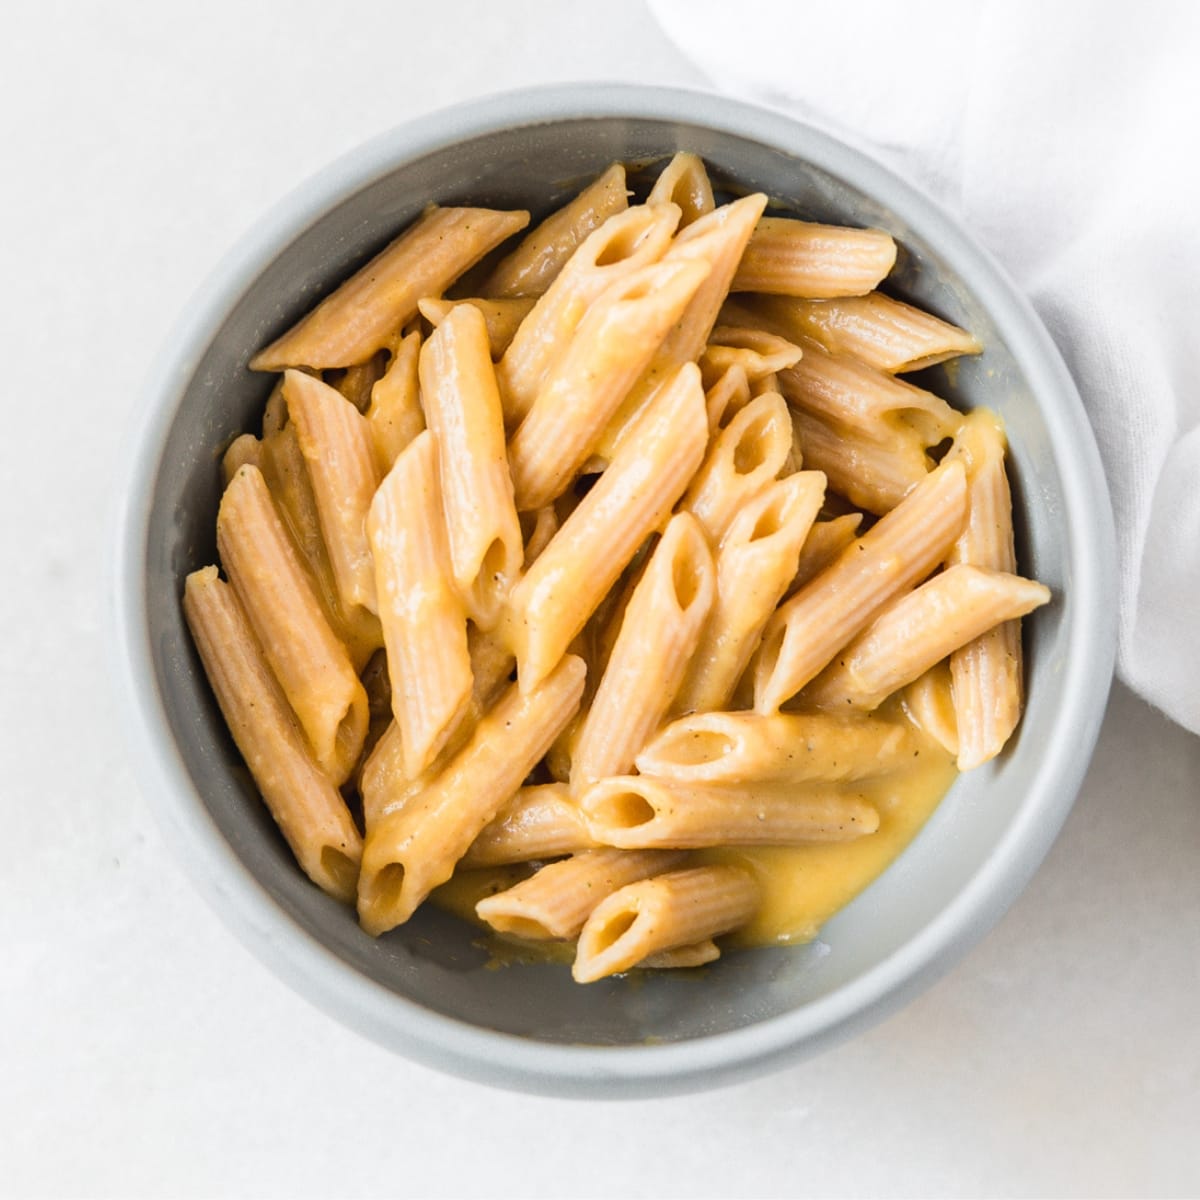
[
  {"x": 987, "y": 672},
  {"x": 920, "y": 629},
  {"x": 492, "y": 664},
  {"x": 850, "y": 395},
  {"x": 659, "y": 632},
  {"x": 423, "y": 617},
  {"x": 754, "y": 565},
  {"x": 462, "y": 406},
  {"x": 302, "y": 798},
  {"x": 799, "y": 258},
  {"x": 929, "y": 704},
  {"x": 383, "y": 783},
  {"x": 371, "y": 307},
  {"x": 541, "y": 821},
  {"x": 287, "y": 479},
  {"x": 335, "y": 440},
  {"x": 764, "y": 384},
  {"x": 874, "y": 475},
  {"x": 698, "y": 954},
  {"x": 543, "y": 525},
  {"x": 394, "y": 415},
  {"x": 726, "y": 398},
  {"x": 718, "y": 239},
  {"x": 875, "y": 329},
  {"x": 657, "y": 915},
  {"x": 760, "y": 353},
  {"x": 611, "y": 347},
  {"x": 274, "y": 411},
  {"x": 243, "y": 451},
  {"x": 377, "y": 683},
  {"x": 501, "y": 317},
  {"x": 741, "y": 462},
  {"x": 684, "y": 181},
  {"x": 645, "y": 812},
  {"x": 532, "y": 267},
  {"x": 896, "y": 553},
  {"x": 825, "y": 541},
  {"x": 416, "y": 847},
  {"x": 623, "y": 244},
  {"x": 728, "y": 748},
  {"x": 555, "y": 901},
  {"x": 562, "y": 589},
  {"x": 312, "y": 666},
  {"x": 354, "y": 384}
]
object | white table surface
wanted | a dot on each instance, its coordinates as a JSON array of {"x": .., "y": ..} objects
[{"x": 142, "y": 1050}]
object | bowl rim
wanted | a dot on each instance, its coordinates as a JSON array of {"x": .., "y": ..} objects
[{"x": 488, "y": 1056}]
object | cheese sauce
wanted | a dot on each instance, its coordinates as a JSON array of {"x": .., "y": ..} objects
[{"x": 803, "y": 886}]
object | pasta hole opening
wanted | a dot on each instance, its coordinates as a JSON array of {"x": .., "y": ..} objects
[
  {"x": 624, "y": 243},
  {"x": 519, "y": 926},
  {"x": 492, "y": 565},
  {"x": 340, "y": 869},
  {"x": 350, "y": 734},
  {"x": 625, "y": 810},
  {"x": 750, "y": 453},
  {"x": 681, "y": 190},
  {"x": 613, "y": 930},
  {"x": 769, "y": 523},
  {"x": 701, "y": 747},
  {"x": 640, "y": 290},
  {"x": 768, "y": 656},
  {"x": 686, "y": 580},
  {"x": 389, "y": 886}
]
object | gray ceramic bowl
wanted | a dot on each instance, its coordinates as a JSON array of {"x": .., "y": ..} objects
[{"x": 424, "y": 990}]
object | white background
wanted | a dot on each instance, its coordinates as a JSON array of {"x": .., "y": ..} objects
[{"x": 142, "y": 1051}]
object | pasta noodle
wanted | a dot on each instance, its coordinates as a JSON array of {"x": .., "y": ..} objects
[
  {"x": 921, "y": 629},
  {"x": 462, "y": 406},
  {"x": 642, "y": 812},
  {"x": 555, "y": 902},
  {"x": 624, "y": 243},
  {"x": 755, "y": 563},
  {"x": 533, "y": 266},
  {"x": 562, "y": 589},
  {"x": 743, "y": 459},
  {"x": 877, "y": 330},
  {"x": 416, "y": 847},
  {"x": 732, "y": 747},
  {"x": 336, "y": 443},
  {"x": 684, "y": 181},
  {"x": 312, "y": 666},
  {"x": 805, "y": 634},
  {"x": 613, "y": 344},
  {"x": 501, "y": 318},
  {"x": 658, "y": 915},
  {"x": 371, "y": 307},
  {"x": 986, "y": 673},
  {"x": 301, "y": 797},
  {"x": 660, "y": 628},
  {"x": 394, "y": 414},
  {"x": 539, "y": 822},
  {"x": 798, "y": 258},
  {"x": 424, "y": 620}
]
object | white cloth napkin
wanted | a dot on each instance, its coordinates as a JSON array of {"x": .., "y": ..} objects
[{"x": 1067, "y": 138}]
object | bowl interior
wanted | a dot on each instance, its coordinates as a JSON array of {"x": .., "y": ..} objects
[{"x": 435, "y": 961}]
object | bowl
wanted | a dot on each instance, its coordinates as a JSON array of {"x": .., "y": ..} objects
[{"x": 426, "y": 989}]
